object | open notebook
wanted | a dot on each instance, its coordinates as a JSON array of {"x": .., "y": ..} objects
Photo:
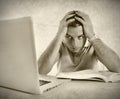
[
  {"x": 18, "y": 63},
  {"x": 104, "y": 76}
]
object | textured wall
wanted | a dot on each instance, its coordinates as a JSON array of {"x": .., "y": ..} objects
[{"x": 46, "y": 15}]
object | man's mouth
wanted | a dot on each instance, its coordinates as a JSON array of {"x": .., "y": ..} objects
[{"x": 75, "y": 49}]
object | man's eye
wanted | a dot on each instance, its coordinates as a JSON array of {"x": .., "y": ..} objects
[
  {"x": 81, "y": 37},
  {"x": 69, "y": 37}
]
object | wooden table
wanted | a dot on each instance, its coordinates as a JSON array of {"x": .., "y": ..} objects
[{"x": 70, "y": 90}]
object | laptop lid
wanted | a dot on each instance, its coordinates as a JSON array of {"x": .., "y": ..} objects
[{"x": 18, "y": 65}]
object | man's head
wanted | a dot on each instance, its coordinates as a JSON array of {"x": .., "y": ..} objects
[{"x": 75, "y": 38}]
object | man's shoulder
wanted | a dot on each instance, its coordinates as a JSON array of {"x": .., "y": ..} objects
[{"x": 90, "y": 50}]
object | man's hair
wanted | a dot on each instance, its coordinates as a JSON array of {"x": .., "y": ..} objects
[{"x": 75, "y": 24}]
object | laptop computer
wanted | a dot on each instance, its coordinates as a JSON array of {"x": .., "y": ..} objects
[{"x": 18, "y": 63}]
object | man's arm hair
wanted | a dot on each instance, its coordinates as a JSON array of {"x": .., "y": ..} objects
[
  {"x": 106, "y": 55},
  {"x": 49, "y": 56}
]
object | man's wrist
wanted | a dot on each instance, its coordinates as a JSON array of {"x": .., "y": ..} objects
[{"x": 94, "y": 37}]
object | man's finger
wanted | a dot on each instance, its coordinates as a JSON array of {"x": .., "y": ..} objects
[
  {"x": 71, "y": 12},
  {"x": 80, "y": 20},
  {"x": 72, "y": 17},
  {"x": 70, "y": 20},
  {"x": 82, "y": 15},
  {"x": 69, "y": 17}
]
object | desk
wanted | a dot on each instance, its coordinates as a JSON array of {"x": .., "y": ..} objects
[{"x": 71, "y": 90}]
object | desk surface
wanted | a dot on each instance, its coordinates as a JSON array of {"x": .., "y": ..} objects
[{"x": 71, "y": 90}]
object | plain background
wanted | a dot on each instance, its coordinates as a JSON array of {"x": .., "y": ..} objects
[{"x": 46, "y": 14}]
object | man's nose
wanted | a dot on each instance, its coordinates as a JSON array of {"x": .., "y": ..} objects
[{"x": 75, "y": 43}]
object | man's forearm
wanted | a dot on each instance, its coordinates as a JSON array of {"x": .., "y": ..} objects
[
  {"x": 49, "y": 56},
  {"x": 106, "y": 55}
]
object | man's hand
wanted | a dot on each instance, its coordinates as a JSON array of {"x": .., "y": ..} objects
[
  {"x": 86, "y": 22},
  {"x": 68, "y": 18}
]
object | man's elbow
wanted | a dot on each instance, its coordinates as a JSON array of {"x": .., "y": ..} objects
[{"x": 43, "y": 69}]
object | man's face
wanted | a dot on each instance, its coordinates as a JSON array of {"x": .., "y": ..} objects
[{"x": 74, "y": 39}]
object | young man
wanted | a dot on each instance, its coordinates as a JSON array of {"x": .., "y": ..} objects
[{"x": 70, "y": 50}]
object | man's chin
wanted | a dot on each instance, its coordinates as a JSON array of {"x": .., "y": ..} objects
[{"x": 75, "y": 50}]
